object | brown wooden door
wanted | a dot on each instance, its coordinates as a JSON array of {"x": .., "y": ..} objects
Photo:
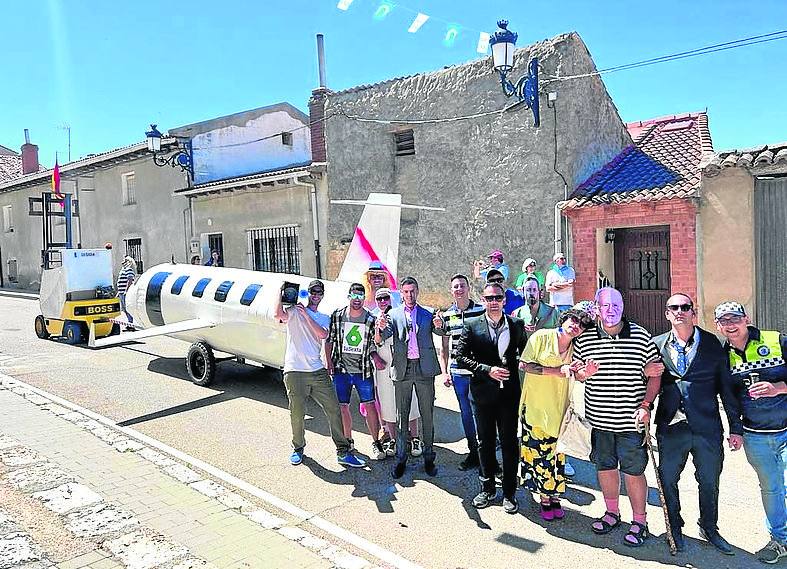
[{"x": 642, "y": 274}]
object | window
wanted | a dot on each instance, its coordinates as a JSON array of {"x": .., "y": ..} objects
[
  {"x": 128, "y": 188},
  {"x": 275, "y": 249},
  {"x": 177, "y": 286},
  {"x": 199, "y": 289},
  {"x": 405, "y": 142},
  {"x": 8, "y": 218},
  {"x": 134, "y": 250},
  {"x": 221, "y": 292},
  {"x": 249, "y": 294},
  {"x": 286, "y": 138},
  {"x": 216, "y": 243}
]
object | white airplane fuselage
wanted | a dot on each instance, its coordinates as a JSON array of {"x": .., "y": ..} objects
[{"x": 245, "y": 323}]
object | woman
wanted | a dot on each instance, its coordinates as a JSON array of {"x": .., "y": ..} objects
[
  {"x": 373, "y": 280},
  {"x": 128, "y": 273},
  {"x": 529, "y": 271},
  {"x": 547, "y": 362}
]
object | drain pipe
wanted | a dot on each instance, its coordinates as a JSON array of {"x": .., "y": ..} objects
[{"x": 315, "y": 221}]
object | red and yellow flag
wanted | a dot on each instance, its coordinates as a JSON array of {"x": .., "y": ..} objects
[{"x": 56, "y": 181}]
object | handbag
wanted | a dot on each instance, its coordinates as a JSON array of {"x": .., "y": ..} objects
[{"x": 574, "y": 437}]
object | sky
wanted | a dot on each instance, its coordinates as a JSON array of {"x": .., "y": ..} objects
[{"x": 109, "y": 69}]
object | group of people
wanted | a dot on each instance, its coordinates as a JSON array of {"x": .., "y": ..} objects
[{"x": 382, "y": 344}]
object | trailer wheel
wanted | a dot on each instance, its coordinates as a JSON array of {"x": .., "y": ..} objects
[
  {"x": 40, "y": 326},
  {"x": 72, "y": 332},
  {"x": 115, "y": 329},
  {"x": 201, "y": 364}
]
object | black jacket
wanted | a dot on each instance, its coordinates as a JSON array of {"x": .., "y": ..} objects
[
  {"x": 477, "y": 352},
  {"x": 706, "y": 378}
]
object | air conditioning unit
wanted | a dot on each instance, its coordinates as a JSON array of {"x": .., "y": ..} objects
[{"x": 194, "y": 246}]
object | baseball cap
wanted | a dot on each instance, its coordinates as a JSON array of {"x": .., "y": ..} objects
[
  {"x": 496, "y": 253},
  {"x": 557, "y": 256},
  {"x": 729, "y": 307},
  {"x": 529, "y": 261},
  {"x": 494, "y": 273},
  {"x": 376, "y": 266},
  {"x": 316, "y": 284},
  {"x": 382, "y": 292}
]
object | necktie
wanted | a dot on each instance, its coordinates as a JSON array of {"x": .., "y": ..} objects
[{"x": 682, "y": 362}]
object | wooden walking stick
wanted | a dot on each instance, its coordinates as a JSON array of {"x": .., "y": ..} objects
[{"x": 673, "y": 549}]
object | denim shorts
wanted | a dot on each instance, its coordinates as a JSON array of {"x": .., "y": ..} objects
[
  {"x": 343, "y": 382},
  {"x": 626, "y": 451}
]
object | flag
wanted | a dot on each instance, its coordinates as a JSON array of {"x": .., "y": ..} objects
[{"x": 56, "y": 181}]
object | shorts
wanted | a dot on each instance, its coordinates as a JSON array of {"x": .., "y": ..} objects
[
  {"x": 626, "y": 451},
  {"x": 343, "y": 383}
]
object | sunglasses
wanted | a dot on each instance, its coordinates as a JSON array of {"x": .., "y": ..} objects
[
  {"x": 386, "y": 297},
  {"x": 357, "y": 296},
  {"x": 680, "y": 307},
  {"x": 494, "y": 297},
  {"x": 316, "y": 291}
]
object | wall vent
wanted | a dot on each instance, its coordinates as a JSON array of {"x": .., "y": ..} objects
[{"x": 405, "y": 142}]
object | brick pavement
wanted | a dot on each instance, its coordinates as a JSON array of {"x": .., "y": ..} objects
[{"x": 111, "y": 501}]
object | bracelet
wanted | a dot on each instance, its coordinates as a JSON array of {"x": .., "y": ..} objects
[{"x": 646, "y": 405}]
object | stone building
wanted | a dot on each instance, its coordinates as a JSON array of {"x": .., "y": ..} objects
[{"x": 497, "y": 176}]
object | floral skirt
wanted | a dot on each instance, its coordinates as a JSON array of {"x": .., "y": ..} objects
[{"x": 543, "y": 469}]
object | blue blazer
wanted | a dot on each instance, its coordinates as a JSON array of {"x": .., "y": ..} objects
[{"x": 397, "y": 328}]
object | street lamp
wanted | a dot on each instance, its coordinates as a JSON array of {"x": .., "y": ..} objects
[
  {"x": 181, "y": 158},
  {"x": 503, "y": 43}
]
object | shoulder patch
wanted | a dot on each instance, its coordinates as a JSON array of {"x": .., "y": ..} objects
[{"x": 763, "y": 350}]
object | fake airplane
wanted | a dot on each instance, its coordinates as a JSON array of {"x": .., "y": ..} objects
[{"x": 233, "y": 310}]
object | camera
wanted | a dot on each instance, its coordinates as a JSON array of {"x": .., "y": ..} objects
[{"x": 289, "y": 292}]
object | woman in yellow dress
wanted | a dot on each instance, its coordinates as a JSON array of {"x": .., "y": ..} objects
[{"x": 548, "y": 367}]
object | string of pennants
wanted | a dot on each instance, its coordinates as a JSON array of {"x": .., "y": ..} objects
[{"x": 451, "y": 31}]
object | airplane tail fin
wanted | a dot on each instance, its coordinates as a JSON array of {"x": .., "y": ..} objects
[{"x": 376, "y": 238}]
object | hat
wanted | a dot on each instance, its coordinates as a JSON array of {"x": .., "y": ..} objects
[
  {"x": 376, "y": 266},
  {"x": 497, "y": 254},
  {"x": 585, "y": 306},
  {"x": 557, "y": 256},
  {"x": 316, "y": 283},
  {"x": 382, "y": 292},
  {"x": 527, "y": 263},
  {"x": 494, "y": 273},
  {"x": 729, "y": 307}
]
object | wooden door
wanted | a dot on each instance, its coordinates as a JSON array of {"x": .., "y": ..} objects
[{"x": 642, "y": 274}]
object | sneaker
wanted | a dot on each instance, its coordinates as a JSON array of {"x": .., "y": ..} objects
[
  {"x": 510, "y": 505},
  {"x": 772, "y": 552},
  {"x": 377, "y": 452},
  {"x": 352, "y": 461},
  {"x": 483, "y": 499},
  {"x": 296, "y": 457},
  {"x": 389, "y": 446},
  {"x": 416, "y": 447},
  {"x": 569, "y": 471}
]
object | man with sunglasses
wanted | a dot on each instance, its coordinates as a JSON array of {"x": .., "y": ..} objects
[
  {"x": 514, "y": 300},
  {"x": 490, "y": 346},
  {"x": 306, "y": 376},
  {"x": 756, "y": 359},
  {"x": 687, "y": 419}
]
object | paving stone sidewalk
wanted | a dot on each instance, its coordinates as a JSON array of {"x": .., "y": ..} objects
[{"x": 76, "y": 493}]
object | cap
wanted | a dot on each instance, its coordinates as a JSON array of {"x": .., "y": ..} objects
[
  {"x": 382, "y": 292},
  {"x": 376, "y": 266},
  {"x": 729, "y": 307},
  {"x": 529, "y": 261},
  {"x": 557, "y": 256},
  {"x": 316, "y": 283},
  {"x": 585, "y": 306},
  {"x": 494, "y": 273},
  {"x": 497, "y": 254}
]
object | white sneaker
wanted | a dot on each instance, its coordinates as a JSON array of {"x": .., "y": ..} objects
[
  {"x": 377, "y": 452},
  {"x": 389, "y": 446},
  {"x": 416, "y": 447},
  {"x": 569, "y": 471}
]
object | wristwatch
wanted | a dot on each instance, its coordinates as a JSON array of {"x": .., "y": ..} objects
[{"x": 647, "y": 405}]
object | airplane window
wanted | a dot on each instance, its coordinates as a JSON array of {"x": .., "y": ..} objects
[
  {"x": 249, "y": 294},
  {"x": 199, "y": 288},
  {"x": 221, "y": 292},
  {"x": 177, "y": 286}
]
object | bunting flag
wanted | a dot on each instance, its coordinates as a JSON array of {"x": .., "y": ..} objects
[{"x": 56, "y": 181}]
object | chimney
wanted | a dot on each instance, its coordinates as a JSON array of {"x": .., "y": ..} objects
[
  {"x": 317, "y": 108},
  {"x": 29, "y": 156}
]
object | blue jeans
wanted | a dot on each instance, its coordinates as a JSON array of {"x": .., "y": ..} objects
[
  {"x": 462, "y": 390},
  {"x": 122, "y": 297},
  {"x": 767, "y": 453}
]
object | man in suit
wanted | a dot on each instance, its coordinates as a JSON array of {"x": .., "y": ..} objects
[
  {"x": 490, "y": 346},
  {"x": 687, "y": 419},
  {"x": 414, "y": 366}
]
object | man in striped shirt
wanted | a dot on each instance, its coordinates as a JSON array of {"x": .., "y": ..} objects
[
  {"x": 616, "y": 357},
  {"x": 128, "y": 273}
]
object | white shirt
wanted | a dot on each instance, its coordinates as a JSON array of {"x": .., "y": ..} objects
[
  {"x": 691, "y": 351},
  {"x": 303, "y": 346},
  {"x": 563, "y": 296},
  {"x": 501, "y": 335}
]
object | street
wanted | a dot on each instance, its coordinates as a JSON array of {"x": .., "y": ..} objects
[{"x": 240, "y": 424}]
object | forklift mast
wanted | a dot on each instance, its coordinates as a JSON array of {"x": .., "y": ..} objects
[{"x": 48, "y": 206}]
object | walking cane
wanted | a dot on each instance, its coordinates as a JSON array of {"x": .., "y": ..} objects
[{"x": 673, "y": 549}]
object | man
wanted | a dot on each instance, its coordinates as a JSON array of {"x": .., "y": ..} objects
[
  {"x": 414, "y": 366},
  {"x": 536, "y": 314},
  {"x": 615, "y": 354},
  {"x": 495, "y": 261},
  {"x": 351, "y": 363},
  {"x": 763, "y": 403},
  {"x": 305, "y": 375},
  {"x": 215, "y": 260},
  {"x": 514, "y": 300},
  {"x": 453, "y": 374},
  {"x": 687, "y": 419},
  {"x": 490, "y": 346},
  {"x": 560, "y": 283}
]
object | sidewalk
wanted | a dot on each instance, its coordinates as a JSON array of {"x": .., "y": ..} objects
[{"x": 75, "y": 493}]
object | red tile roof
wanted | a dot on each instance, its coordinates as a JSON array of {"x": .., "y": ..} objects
[
  {"x": 10, "y": 164},
  {"x": 771, "y": 158}
]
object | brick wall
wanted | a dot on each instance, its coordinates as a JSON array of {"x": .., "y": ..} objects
[
  {"x": 317, "y": 123},
  {"x": 678, "y": 214}
]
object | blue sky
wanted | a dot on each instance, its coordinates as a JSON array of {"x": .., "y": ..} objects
[{"x": 108, "y": 69}]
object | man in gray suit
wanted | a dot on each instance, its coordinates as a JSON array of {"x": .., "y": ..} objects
[{"x": 414, "y": 366}]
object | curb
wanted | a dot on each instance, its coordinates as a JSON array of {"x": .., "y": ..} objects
[{"x": 21, "y": 294}]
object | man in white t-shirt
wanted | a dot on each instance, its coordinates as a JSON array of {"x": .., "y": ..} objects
[
  {"x": 305, "y": 374},
  {"x": 560, "y": 283}
]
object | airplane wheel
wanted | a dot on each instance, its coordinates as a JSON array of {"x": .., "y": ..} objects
[
  {"x": 40, "y": 325},
  {"x": 115, "y": 329},
  {"x": 72, "y": 332},
  {"x": 201, "y": 364}
]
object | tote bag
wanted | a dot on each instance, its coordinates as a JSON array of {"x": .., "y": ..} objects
[{"x": 574, "y": 437}]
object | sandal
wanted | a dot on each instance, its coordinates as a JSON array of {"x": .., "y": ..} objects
[
  {"x": 557, "y": 510},
  {"x": 636, "y": 535},
  {"x": 547, "y": 513},
  {"x": 602, "y": 525}
]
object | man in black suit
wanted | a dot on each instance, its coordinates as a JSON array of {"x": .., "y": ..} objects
[
  {"x": 687, "y": 420},
  {"x": 490, "y": 346}
]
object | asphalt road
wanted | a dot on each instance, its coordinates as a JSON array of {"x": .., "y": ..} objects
[{"x": 241, "y": 425}]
